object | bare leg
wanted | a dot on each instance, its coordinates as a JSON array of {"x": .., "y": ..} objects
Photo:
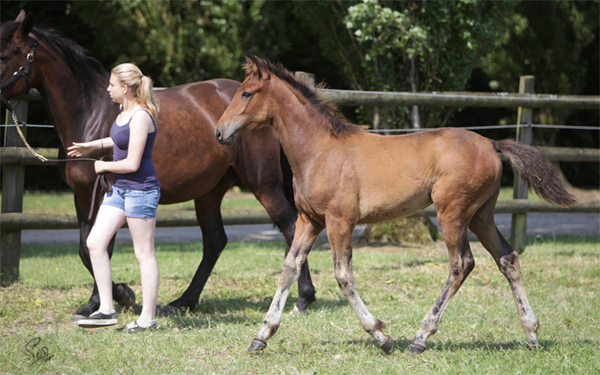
[
  {"x": 108, "y": 221},
  {"x": 142, "y": 232},
  {"x": 340, "y": 237},
  {"x": 304, "y": 238}
]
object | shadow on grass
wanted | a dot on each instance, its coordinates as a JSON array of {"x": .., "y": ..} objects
[
  {"x": 402, "y": 345},
  {"x": 234, "y": 310}
]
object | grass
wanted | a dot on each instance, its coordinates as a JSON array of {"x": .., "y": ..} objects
[{"x": 480, "y": 332}]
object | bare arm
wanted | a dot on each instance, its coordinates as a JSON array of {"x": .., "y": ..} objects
[{"x": 79, "y": 148}]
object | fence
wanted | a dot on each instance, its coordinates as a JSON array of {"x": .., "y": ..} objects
[{"x": 14, "y": 158}]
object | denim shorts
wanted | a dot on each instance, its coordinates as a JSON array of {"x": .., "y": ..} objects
[{"x": 135, "y": 203}]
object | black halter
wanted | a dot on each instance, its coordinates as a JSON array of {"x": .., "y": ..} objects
[{"x": 22, "y": 72}]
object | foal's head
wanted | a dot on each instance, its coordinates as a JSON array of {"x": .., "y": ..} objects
[
  {"x": 253, "y": 105},
  {"x": 249, "y": 108}
]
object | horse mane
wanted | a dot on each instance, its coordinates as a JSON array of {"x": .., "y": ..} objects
[
  {"x": 89, "y": 73},
  {"x": 340, "y": 126}
]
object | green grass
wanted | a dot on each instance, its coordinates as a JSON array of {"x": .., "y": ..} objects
[{"x": 480, "y": 332}]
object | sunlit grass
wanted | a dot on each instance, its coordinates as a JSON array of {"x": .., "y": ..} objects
[{"x": 480, "y": 332}]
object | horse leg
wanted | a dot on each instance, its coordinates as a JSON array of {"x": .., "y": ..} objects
[
  {"x": 453, "y": 221},
  {"x": 304, "y": 237},
  {"x": 507, "y": 260},
  {"x": 122, "y": 294},
  {"x": 269, "y": 187},
  {"x": 340, "y": 238},
  {"x": 214, "y": 239},
  {"x": 284, "y": 217}
]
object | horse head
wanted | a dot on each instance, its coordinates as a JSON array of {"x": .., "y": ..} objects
[
  {"x": 249, "y": 109},
  {"x": 17, "y": 55}
]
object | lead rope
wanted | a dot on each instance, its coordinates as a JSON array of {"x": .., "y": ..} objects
[{"x": 100, "y": 179}]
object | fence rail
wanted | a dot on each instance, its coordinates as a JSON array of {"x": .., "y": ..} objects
[{"x": 14, "y": 158}]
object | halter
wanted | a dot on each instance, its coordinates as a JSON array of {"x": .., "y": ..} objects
[{"x": 22, "y": 72}]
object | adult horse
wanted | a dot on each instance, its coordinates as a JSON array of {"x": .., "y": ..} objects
[
  {"x": 344, "y": 176},
  {"x": 189, "y": 162}
]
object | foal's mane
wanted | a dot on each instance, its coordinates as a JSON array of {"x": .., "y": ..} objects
[
  {"x": 89, "y": 74},
  {"x": 339, "y": 125}
]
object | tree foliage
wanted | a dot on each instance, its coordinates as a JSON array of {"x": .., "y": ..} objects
[{"x": 407, "y": 46}]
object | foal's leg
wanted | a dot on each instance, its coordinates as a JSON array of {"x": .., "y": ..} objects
[
  {"x": 304, "y": 238},
  {"x": 284, "y": 217},
  {"x": 507, "y": 260},
  {"x": 454, "y": 226},
  {"x": 340, "y": 238}
]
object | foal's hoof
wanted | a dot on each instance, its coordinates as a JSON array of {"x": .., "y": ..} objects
[
  {"x": 257, "y": 345},
  {"x": 416, "y": 349},
  {"x": 534, "y": 345},
  {"x": 128, "y": 299},
  {"x": 387, "y": 346}
]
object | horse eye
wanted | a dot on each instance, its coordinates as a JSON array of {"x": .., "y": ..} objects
[
  {"x": 3, "y": 59},
  {"x": 246, "y": 95}
]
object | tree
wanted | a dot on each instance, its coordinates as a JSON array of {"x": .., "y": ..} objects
[{"x": 407, "y": 46}]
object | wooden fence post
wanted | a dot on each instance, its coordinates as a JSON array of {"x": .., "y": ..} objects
[
  {"x": 518, "y": 229},
  {"x": 13, "y": 179}
]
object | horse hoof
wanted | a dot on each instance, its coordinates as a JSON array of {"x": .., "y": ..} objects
[
  {"x": 83, "y": 313},
  {"x": 257, "y": 345},
  {"x": 128, "y": 299},
  {"x": 387, "y": 346},
  {"x": 416, "y": 349},
  {"x": 534, "y": 345},
  {"x": 172, "y": 311}
]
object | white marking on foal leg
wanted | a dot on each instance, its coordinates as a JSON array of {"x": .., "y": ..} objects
[{"x": 509, "y": 265}]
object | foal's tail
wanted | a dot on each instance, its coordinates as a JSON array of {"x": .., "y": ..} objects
[{"x": 537, "y": 171}]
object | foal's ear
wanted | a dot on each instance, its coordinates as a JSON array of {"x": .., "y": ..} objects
[
  {"x": 255, "y": 66},
  {"x": 26, "y": 24}
]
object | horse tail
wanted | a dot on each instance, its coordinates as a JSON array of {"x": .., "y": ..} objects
[
  {"x": 288, "y": 179},
  {"x": 537, "y": 171}
]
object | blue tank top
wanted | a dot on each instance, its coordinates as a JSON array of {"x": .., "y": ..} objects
[{"x": 145, "y": 177}]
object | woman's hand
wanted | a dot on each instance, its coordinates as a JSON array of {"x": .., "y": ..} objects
[
  {"x": 100, "y": 166},
  {"x": 78, "y": 149}
]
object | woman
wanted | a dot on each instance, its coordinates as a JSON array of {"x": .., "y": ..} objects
[{"x": 134, "y": 197}]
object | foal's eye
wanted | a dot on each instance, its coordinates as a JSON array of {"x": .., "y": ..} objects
[
  {"x": 246, "y": 95},
  {"x": 3, "y": 59}
]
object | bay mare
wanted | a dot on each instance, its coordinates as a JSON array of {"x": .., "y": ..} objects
[
  {"x": 344, "y": 176},
  {"x": 190, "y": 163}
]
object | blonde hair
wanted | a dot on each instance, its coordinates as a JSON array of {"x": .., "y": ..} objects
[{"x": 141, "y": 86}]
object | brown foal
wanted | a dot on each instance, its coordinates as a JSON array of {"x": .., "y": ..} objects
[{"x": 344, "y": 176}]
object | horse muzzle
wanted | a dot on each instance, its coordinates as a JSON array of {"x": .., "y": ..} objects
[{"x": 225, "y": 135}]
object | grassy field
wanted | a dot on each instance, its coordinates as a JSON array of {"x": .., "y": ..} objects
[{"x": 480, "y": 332}]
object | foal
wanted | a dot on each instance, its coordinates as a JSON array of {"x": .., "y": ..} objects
[{"x": 344, "y": 176}]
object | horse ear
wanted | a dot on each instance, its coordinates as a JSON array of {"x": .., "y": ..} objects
[
  {"x": 255, "y": 66},
  {"x": 26, "y": 24},
  {"x": 21, "y": 16}
]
